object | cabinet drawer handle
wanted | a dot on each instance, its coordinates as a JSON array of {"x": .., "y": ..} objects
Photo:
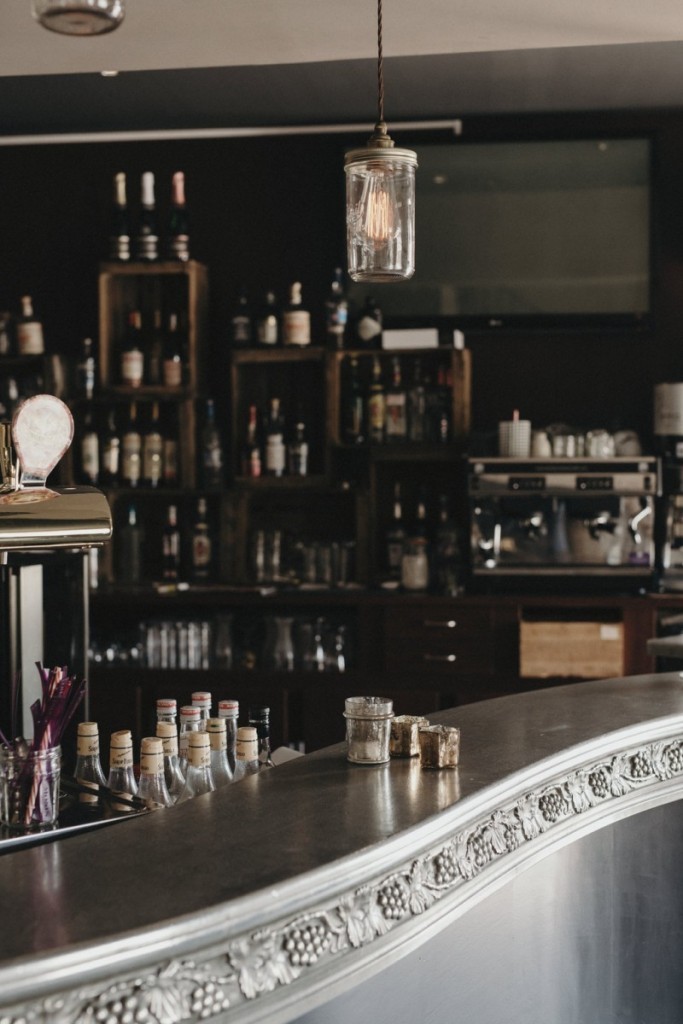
[
  {"x": 435, "y": 624},
  {"x": 440, "y": 657}
]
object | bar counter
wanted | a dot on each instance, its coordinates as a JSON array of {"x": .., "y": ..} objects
[{"x": 295, "y": 892}]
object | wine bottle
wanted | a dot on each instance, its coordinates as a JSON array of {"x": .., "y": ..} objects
[
  {"x": 268, "y": 322},
  {"x": 297, "y": 452},
  {"x": 376, "y": 404},
  {"x": 275, "y": 443},
  {"x": 353, "y": 409},
  {"x": 212, "y": 450},
  {"x": 131, "y": 450},
  {"x": 90, "y": 449},
  {"x": 296, "y": 320},
  {"x": 170, "y": 460},
  {"x": 395, "y": 537},
  {"x": 173, "y": 354},
  {"x": 251, "y": 452},
  {"x": 85, "y": 370},
  {"x": 447, "y": 567},
  {"x": 201, "y": 544},
  {"x": 170, "y": 545},
  {"x": 129, "y": 543},
  {"x": 119, "y": 237},
  {"x": 153, "y": 451},
  {"x": 417, "y": 406},
  {"x": 110, "y": 451},
  {"x": 240, "y": 322},
  {"x": 132, "y": 355},
  {"x": 155, "y": 352},
  {"x": 396, "y": 402},
  {"x": 29, "y": 330},
  {"x": 336, "y": 312},
  {"x": 368, "y": 332},
  {"x": 148, "y": 232},
  {"x": 178, "y": 231}
]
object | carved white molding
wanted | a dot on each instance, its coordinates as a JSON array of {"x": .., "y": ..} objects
[{"x": 183, "y": 991}]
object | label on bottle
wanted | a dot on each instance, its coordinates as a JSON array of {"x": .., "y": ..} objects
[
  {"x": 377, "y": 415},
  {"x": 88, "y": 744},
  {"x": 170, "y": 744},
  {"x": 120, "y": 756},
  {"x": 275, "y": 455},
  {"x": 173, "y": 372},
  {"x": 151, "y": 762},
  {"x": 396, "y": 421},
  {"x": 148, "y": 246},
  {"x": 201, "y": 553},
  {"x": 30, "y": 340},
  {"x": 241, "y": 329},
  {"x": 179, "y": 247},
  {"x": 296, "y": 325},
  {"x": 199, "y": 754},
  {"x": 132, "y": 367},
  {"x": 246, "y": 749}
]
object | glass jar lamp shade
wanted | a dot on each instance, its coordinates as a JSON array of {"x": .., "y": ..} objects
[
  {"x": 380, "y": 212},
  {"x": 79, "y": 17}
]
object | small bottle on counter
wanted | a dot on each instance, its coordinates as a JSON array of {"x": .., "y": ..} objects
[
  {"x": 189, "y": 723},
  {"x": 121, "y": 780},
  {"x": 88, "y": 771},
  {"x": 229, "y": 710},
  {"x": 198, "y": 775},
  {"x": 220, "y": 766},
  {"x": 259, "y": 718},
  {"x": 246, "y": 753},
  {"x": 167, "y": 710},
  {"x": 175, "y": 780},
  {"x": 202, "y": 699},
  {"x": 152, "y": 788}
]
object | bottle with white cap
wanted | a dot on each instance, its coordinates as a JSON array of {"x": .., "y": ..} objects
[
  {"x": 202, "y": 699},
  {"x": 167, "y": 710},
  {"x": 222, "y": 775},
  {"x": 152, "y": 788},
  {"x": 88, "y": 771},
  {"x": 121, "y": 780},
  {"x": 229, "y": 710},
  {"x": 189, "y": 723},
  {"x": 198, "y": 777},
  {"x": 247, "y": 753},
  {"x": 168, "y": 732}
]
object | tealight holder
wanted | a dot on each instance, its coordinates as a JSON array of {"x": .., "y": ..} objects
[
  {"x": 404, "y": 741},
  {"x": 368, "y": 729},
  {"x": 439, "y": 746}
]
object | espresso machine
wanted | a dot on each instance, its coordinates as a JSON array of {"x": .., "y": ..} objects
[{"x": 580, "y": 519}]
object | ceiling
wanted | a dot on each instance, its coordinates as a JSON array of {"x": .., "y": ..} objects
[{"x": 217, "y": 65}]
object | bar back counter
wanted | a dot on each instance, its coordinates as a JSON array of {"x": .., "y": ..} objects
[{"x": 537, "y": 882}]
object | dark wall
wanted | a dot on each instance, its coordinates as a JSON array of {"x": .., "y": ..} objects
[{"x": 267, "y": 211}]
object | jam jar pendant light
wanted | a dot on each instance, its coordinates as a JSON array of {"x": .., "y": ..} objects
[
  {"x": 380, "y": 200},
  {"x": 79, "y": 17}
]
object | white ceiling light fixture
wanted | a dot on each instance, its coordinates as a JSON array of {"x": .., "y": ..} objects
[
  {"x": 380, "y": 200},
  {"x": 79, "y": 17}
]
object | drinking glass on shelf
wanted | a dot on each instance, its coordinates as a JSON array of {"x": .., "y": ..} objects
[
  {"x": 279, "y": 645},
  {"x": 223, "y": 640}
]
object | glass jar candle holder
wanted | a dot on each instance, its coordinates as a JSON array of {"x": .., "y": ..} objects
[
  {"x": 439, "y": 746},
  {"x": 368, "y": 729},
  {"x": 29, "y": 789},
  {"x": 404, "y": 735}
]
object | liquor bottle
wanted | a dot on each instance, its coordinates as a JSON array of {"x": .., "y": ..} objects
[
  {"x": 415, "y": 557},
  {"x": 153, "y": 451},
  {"x": 131, "y": 450},
  {"x": 353, "y": 409},
  {"x": 200, "y": 548},
  {"x": 447, "y": 569},
  {"x": 395, "y": 537},
  {"x": 121, "y": 780},
  {"x": 85, "y": 370},
  {"x": 178, "y": 230},
  {"x": 396, "y": 406},
  {"x": 246, "y": 753},
  {"x": 376, "y": 405},
  {"x": 170, "y": 545},
  {"x": 155, "y": 352},
  {"x": 296, "y": 320},
  {"x": 167, "y": 710},
  {"x": 198, "y": 775},
  {"x": 90, "y": 449},
  {"x": 417, "y": 406},
  {"x": 297, "y": 450},
  {"x": 218, "y": 738},
  {"x": 129, "y": 544},
  {"x": 173, "y": 354},
  {"x": 259, "y": 718},
  {"x": 170, "y": 459},
  {"x": 368, "y": 331},
  {"x": 212, "y": 450},
  {"x": 132, "y": 354},
  {"x": 189, "y": 723},
  {"x": 240, "y": 322},
  {"x": 28, "y": 330},
  {"x": 119, "y": 235},
  {"x": 275, "y": 442},
  {"x": 268, "y": 323},
  {"x": 152, "y": 788},
  {"x": 174, "y": 778},
  {"x": 110, "y": 451},
  {"x": 336, "y": 312},
  {"x": 441, "y": 405},
  {"x": 88, "y": 771},
  {"x": 251, "y": 452},
  {"x": 148, "y": 233},
  {"x": 229, "y": 711},
  {"x": 202, "y": 699}
]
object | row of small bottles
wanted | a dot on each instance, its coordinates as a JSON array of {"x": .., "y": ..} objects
[
  {"x": 201, "y": 754},
  {"x": 386, "y": 408},
  {"x": 193, "y": 561},
  {"x": 155, "y": 356},
  {"x": 269, "y": 324},
  {"x": 272, "y": 447},
  {"x": 21, "y": 334},
  {"x": 138, "y": 235},
  {"x": 420, "y": 556}
]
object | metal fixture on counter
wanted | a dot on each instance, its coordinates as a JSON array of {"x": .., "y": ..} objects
[
  {"x": 380, "y": 199},
  {"x": 79, "y": 17},
  {"x": 368, "y": 729}
]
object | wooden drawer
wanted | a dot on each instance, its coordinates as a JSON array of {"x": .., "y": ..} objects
[{"x": 442, "y": 639}]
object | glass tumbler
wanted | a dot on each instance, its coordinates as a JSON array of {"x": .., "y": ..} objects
[
  {"x": 29, "y": 789},
  {"x": 368, "y": 729}
]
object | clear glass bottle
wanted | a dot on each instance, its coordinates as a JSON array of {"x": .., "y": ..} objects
[
  {"x": 175, "y": 780},
  {"x": 229, "y": 710},
  {"x": 148, "y": 232},
  {"x": 88, "y": 771},
  {"x": 246, "y": 753},
  {"x": 121, "y": 780},
  {"x": 132, "y": 369},
  {"x": 220, "y": 765},
  {"x": 202, "y": 699},
  {"x": 275, "y": 442},
  {"x": 189, "y": 722},
  {"x": 198, "y": 775},
  {"x": 178, "y": 230},
  {"x": 167, "y": 710},
  {"x": 152, "y": 787},
  {"x": 252, "y": 464},
  {"x": 259, "y": 719}
]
